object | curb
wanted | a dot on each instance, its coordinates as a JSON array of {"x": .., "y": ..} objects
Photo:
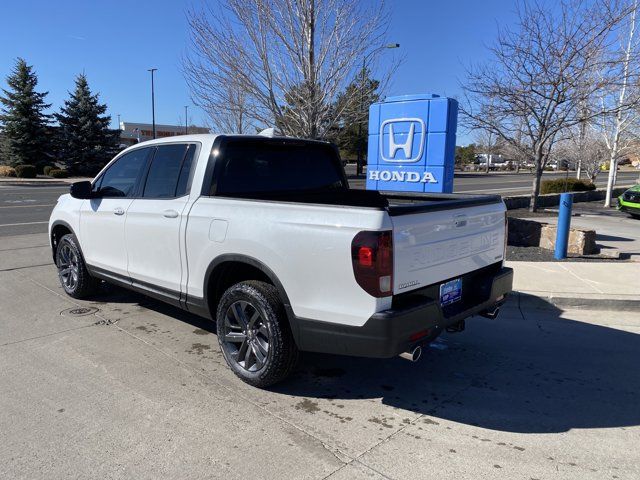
[
  {"x": 514, "y": 202},
  {"x": 552, "y": 302}
]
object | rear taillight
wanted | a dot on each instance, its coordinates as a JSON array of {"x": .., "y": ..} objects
[{"x": 372, "y": 257}]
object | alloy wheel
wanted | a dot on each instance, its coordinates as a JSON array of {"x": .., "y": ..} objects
[
  {"x": 68, "y": 268},
  {"x": 246, "y": 336}
]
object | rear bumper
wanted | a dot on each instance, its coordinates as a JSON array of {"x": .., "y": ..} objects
[{"x": 387, "y": 333}]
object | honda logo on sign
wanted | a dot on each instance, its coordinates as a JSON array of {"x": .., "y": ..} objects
[{"x": 396, "y": 142}]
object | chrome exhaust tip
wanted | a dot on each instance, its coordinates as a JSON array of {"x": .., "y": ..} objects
[{"x": 413, "y": 355}]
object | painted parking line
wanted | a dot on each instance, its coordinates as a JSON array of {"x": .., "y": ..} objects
[
  {"x": 28, "y": 206},
  {"x": 19, "y": 224},
  {"x": 17, "y": 190},
  {"x": 522, "y": 189}
]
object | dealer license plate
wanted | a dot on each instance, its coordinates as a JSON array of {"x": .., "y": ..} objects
[{"x": 450, "y": 292}]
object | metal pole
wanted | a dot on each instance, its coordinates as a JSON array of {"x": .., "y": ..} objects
[
  {"x": 118, "y": 121},
  {"x": 564, "y": 226},
  {"x": 153, "y": 104},
  {"x": 186, "y": 128},
  {"x": 359, "y": 161}
]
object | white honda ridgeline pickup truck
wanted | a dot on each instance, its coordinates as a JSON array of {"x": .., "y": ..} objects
[{"x": 265, "y": 236}]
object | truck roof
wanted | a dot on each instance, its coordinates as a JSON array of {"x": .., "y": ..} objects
[
  {"x": 210, "y": 138},
  {"x": 202, "y": 137}
]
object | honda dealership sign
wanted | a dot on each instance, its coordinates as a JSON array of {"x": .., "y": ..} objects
[{"x": 412, "y": 142}]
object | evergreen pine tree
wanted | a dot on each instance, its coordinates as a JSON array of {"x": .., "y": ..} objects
[
  {"x": 85, "y": 142},
  {"x": 354, "y": 103},
  {"x": 25, "y": 133}
]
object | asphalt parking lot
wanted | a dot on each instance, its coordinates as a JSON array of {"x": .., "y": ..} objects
[
  {"x": 137, "y": 389},
  {"x": 26, "y": 209},
  {"x": 508, "y": 183}
]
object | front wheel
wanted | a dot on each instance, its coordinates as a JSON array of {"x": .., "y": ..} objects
[
  {"x": 72, "y": 271},
  {"x": 254, "y": 334}
]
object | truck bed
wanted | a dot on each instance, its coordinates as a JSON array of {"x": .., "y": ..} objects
[{"x": 394, "y": 203}]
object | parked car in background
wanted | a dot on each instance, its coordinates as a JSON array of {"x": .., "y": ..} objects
[{"x": 629, "y": 202}]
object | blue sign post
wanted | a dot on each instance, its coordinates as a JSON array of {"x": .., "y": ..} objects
[{"x": 412, "y": 141}]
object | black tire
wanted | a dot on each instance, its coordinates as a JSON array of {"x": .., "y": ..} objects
[
  {"x": 254, "y": 334},
  {"x": 72, "y": 271}
]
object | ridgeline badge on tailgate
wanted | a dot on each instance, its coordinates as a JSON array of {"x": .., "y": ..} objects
[{"x": 411, "y": 283}]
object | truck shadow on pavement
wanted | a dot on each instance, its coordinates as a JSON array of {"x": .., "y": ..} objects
[
  {"x": 532, "y": 372},
  {"x": 537, "y": 373}
]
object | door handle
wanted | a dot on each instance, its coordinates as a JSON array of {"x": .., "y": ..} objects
[
  {"x": 170, "y": 214},
  {"x": 118, "y": 211}
]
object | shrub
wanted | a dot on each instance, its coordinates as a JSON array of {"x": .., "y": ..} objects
[
  {"x": 560, "y": 185},
  {"x": 47, "y": 169},
  {"x": 58, "y": 173},
  {"x": 26, "y": 171},
  {"x": 7, "y": 171}
]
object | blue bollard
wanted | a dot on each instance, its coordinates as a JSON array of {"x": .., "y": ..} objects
[{"x": 564, "y": 224}]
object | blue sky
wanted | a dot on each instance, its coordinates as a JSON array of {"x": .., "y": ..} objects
[{"x": 115, "y": 42}]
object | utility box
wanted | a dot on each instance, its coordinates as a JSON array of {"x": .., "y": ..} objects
[{"x": 412, "y": 142}]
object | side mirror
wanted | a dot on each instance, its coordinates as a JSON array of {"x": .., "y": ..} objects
[{"x": 81, "y": 190}]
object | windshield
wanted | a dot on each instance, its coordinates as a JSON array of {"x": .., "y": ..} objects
[{"x": 256, "y": 166}]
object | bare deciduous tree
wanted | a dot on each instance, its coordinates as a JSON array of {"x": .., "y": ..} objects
[
  {"x": 584, "y": 145},
  {"x": 487, "y": 142},
  {"x": 620, "y": 98},
  {"x": 540, "y": 75},
  {"x": 289, "y": 58},
  {"x": 234, "y": 115}
]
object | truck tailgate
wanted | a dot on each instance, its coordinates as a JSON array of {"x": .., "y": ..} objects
[{"x": 435, "y": 244}]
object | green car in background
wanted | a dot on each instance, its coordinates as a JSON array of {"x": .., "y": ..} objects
[{"x": 629, "y": 202}]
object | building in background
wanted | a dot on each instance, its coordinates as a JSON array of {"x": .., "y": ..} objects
[{"x": 132, "y": 133}]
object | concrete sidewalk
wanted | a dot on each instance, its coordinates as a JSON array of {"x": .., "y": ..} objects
[
  {"x": 615, "y": 231},
  {"x": 593, "y": 285}
]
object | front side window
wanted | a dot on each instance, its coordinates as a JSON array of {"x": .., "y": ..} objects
[
  {"x": 169, "y": 171},
  {"x": 121, "y": 178}
]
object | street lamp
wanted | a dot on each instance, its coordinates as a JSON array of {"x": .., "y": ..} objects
[
  {"x": 186, "y": 128},
  {"x": 362, "y": 109},
  {"x": 153, "y": 103}
]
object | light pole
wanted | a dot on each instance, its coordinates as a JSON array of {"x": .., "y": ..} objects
[
  {"x": 362, "y": 109},
  {"x": 186, "y": 120},
  {"x": 153, "y": 103}
]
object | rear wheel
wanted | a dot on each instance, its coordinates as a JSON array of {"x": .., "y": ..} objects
[
  {"x": 72, "y": 271},
  {"x": 254, "y": 334}
]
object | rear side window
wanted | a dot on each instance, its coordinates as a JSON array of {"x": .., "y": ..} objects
[
  {"x": 253, "y": 167},
  {"x": 121, "y": 178},
  {"x": 169, "y": 171}
]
